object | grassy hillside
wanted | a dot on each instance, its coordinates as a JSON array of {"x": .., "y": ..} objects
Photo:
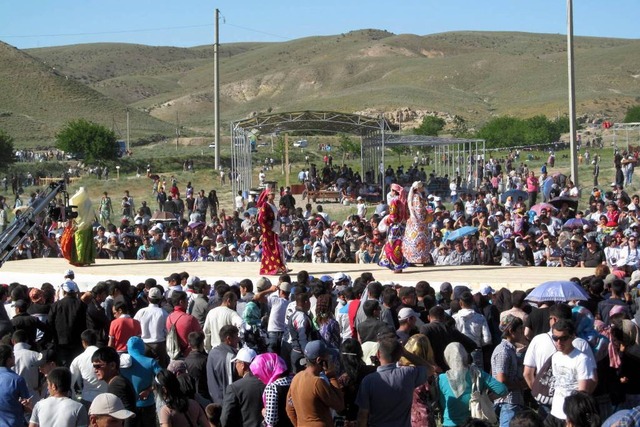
[
  {"x": 472, "y": 74},
  {"x": 37, "y": 99}
]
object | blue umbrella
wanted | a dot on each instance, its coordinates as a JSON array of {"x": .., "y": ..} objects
[
  {"x": 558, "y": 291},
  {"x": 576, "y": 223},
  {"x": 461, "y": 232},
  {"x": 514, "y": 194}
]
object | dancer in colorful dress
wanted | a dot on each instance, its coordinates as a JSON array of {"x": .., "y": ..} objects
[
  {"x": 272, "y": 262},
  {"x": 392, "y": 256},
  {"x": 84, "y": 252},
  {"x": 415, "y": 243}
]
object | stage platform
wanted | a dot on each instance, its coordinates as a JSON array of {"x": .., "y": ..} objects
[{"x": 34, "y": 272}]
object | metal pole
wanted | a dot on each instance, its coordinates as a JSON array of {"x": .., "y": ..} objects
[
  {"x": 384, "y": 190},
  {"x": 128, "y": 140},
  {"x": 216, "y": 94},
  {"x": 572, "y": 94}
]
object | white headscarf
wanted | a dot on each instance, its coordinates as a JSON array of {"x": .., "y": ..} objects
[{"x": 458, "y": 360}]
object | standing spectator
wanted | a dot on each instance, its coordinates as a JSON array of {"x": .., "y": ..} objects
[
  {"x": 311, "y": 397},
  {"x": 141, "y": 373},
  {"x": 533, "y": 187},
  {"x": 196, "y": 363},
  {"x": 153, "y": 321},
  {"x": 201, "y": 205},
  {"x": 473, "y": 325},
  {"x": 385, "y": 397},
  {"x": 242, "y": 405},
  {"x": 58, "y": 409},
  {"x": 504, "y": 368},
  {"x": 225, "y": 314},
  {"x": 107, "y": 409},
  {"x": 68, "y": 318},
  {"x": 184, "y": 322},
  {"x": 455, "y": 385},
  {"x": 277, "y": 302},
  {"x": 97, "y": 319},
  {"x": 300, "y": 329},
  {"x": 220, "y": 372},
  {"x": 122, "y": 328},
  {"x": 106, "y": 365},
  {"x": 239, "y": 202},
  {"x": 14, "y": 394},
  {"x": 82, "y": 373},
  {"x": 571, "y": 369},
  {"x": 106, "y": 209},
  {"x": 178, "y": 410},
  {"x": 272, "y": 370},
  {"x": 27, "y": 361}
]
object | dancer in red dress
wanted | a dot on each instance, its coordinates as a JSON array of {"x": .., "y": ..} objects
[{"x": 272, "y": 261}]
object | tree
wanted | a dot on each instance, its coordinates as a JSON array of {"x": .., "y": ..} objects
[
  {"x": 90, "y": 140},
  {"x": 430, "y": 126},
  {"x": 510, "y": 131},
  {"x": 347, "y": 145},
  {"x": 6, "y": 146},
  {"x": 633, "y": 114}
]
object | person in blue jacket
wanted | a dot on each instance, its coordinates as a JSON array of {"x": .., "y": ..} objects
[
  {"x": 455, "y": 385},
  {"x": 141, "y": 372}
]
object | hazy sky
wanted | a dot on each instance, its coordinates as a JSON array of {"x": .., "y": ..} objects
[{"x": 40, "y": 23}]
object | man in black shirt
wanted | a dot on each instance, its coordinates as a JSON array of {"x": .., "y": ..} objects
[
  {"x": 106, "y": 365},
  {"x": 372, "y": 326},
  {"x": 593, "y": 256},
  {"x": 441, "y": 334}
]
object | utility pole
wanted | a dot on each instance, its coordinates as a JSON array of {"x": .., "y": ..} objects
[
  {"x": 572, "y": 95},
  {"x": 128, "y": 140},
  {"x": 216, "y": 94},
  {"x": 177, "y": 130}
]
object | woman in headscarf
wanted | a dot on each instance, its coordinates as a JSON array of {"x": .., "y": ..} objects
[
  {"x": 625, "y": 356},
  {"x": 272, "y": 262},
  {"x": 392, "y": 256},
  {"x": 455, "y": 385},
  {"x": 422, "y": 414},
  {"x": 415, "y": 243},
  {"x": 271, "y": 369}
]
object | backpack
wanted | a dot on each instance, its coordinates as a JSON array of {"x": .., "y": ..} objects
[{"x": 173, "y": 344}]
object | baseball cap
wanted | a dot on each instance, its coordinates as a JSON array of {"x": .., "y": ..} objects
[
  {"x": 21, "y": 304},
  {"x": 174, "y": 277},
  {"x": 326, "y": 278},
  {"x": 109, "y": 404},
  {"x": 155, "y": 294},
  {"x": 576, "y": 238},
  {"x": 406, "y": 313},
  {"x": 70, "y": 286},
  {"x": 285, "y": 287},
  {"x": 506, "y": 322},
  {"x": 486, "y": 290},
  {"x": 192, "y": 281},
  {"x": 608, "y": 280},
  {"x": 263, "y": 284},
  {"x": 245, "y": 354},
  {"x": 446, "y": 287},
  {"x": 340, "y": 277},
  {"x": 69, "y": 273},
  {"x": 315, "y": 349}
]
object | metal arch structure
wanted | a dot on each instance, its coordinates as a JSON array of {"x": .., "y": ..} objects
[
  {"x": 625, "y": 132},
  {"x": 451, "y": 155},
  {"x": 324, "y": 122}
]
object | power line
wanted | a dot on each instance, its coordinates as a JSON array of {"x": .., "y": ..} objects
[{"x": 142, "y": 30}]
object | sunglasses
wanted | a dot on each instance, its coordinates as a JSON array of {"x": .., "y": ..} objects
[
  {"x": 561, "y": 338},
  {"x": 98, "y": 366}
]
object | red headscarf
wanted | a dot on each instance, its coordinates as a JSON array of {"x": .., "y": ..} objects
[
  {"x": 263, "y": 197},
  {"x": 401, "y": 201}
]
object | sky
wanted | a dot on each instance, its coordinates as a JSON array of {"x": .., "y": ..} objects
[{"x": 42, "y": 23}]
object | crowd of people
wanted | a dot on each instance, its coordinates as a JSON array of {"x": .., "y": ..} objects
[{"x": 323, "y": 350}]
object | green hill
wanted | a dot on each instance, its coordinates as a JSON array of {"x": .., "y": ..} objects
[{"x": 472, "y": 74}]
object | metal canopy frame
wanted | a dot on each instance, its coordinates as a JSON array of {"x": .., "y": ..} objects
[
  {"x": 451, "y": 155},
  {"x": 330, "y": 122},
  {"x": 624, "y": 129}
]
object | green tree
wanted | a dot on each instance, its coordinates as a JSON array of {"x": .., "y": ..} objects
[
  {"x": 90, "y": 140},
  {"x": 6, "y": 146},
  {"x": 511, "y": 131},
  {"x": 460, "y": 129},
  {"x": 347, "y": 145},
  {"x": 431, "y": 125},
  {"x": 633, "y": 114}
]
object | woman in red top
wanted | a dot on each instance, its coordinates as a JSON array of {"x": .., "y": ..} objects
[
  {"x": 272, "y": 261},
  {"x": 612, "y": 214}
]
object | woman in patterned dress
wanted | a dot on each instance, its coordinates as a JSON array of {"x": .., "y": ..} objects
[
  {"x": 272, "y": 261},
  {"x": 392, "y": 256},
  {"x": 415, "y": 243}
]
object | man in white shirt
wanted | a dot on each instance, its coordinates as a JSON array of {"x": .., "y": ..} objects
[
  {"x": 571, "y": 370},
  {"x": 277, "y": 301},
  {"x": 225, "y": 314},
  {"x": 153, "y": 321},
  {"x": 542, "y": 347},
  {"x": 27, "y": 362},
  {"x": 474, "y": 325},
  {"x": 82, "y": 372}
]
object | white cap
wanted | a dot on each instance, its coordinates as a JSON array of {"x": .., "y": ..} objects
[
  {"x": 486, "y": 290},
  {"x": 109, "y": 404},
  {"x": 245, "y": 354},
  {"x": 406, "y": 313},
  {"x": 70, "y": 286},
  {"x": 155, "y": 294},
  {"x": 69, "y": 273}
]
